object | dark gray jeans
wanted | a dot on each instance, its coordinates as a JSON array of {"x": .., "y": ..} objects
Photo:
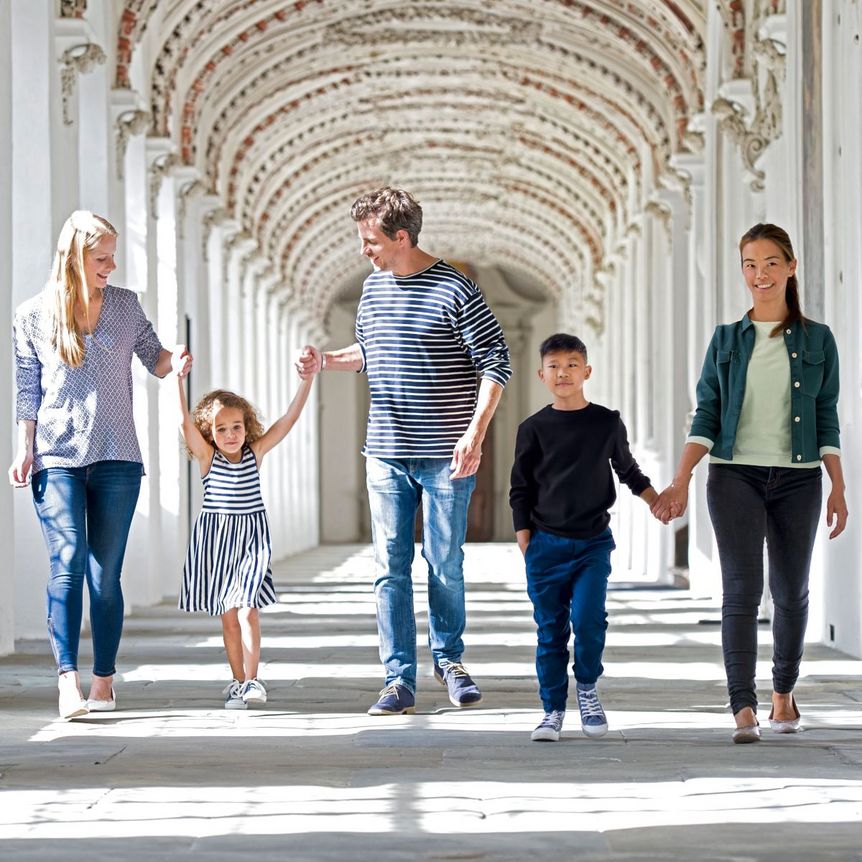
[{"x": 748, "y": 505}]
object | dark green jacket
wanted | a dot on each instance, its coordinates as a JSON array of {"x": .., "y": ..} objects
[{"x": 813, "y": 417}]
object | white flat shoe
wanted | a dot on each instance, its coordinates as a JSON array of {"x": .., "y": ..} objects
[
  {"x": 71, "y": 703},
  {"x": 103, "y": 705}
]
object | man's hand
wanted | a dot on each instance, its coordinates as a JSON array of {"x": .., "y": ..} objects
[
  {"x": 466, "y": 456},
  {"x": 309, "y": 363}
]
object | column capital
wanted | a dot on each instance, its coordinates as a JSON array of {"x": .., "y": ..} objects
[{"x": 78, "y": 52}]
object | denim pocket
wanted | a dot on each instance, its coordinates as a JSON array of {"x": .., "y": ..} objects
[{"x": 812, "y": 371}]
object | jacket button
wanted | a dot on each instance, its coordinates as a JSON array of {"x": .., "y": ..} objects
[
  {"x": 798, "y": 457},
  {"x": 796, "y": 384},
  {"x": 788, "y": 331},
  {"x": 793, "y": 355},
  {"x": 796, "y": 419}
]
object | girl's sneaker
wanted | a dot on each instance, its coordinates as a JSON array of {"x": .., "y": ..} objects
[
  {"x": 253, "y": 691},
  {"x": 593, "y": 720},
  {"x": 233, "y": 695},
  {"x": 549, "y": 727}
]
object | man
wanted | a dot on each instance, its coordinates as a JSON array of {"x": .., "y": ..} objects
[{"x": 423, "y": 332}]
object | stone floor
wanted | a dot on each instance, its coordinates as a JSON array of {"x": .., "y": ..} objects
[{"x": 310, "y": 776}]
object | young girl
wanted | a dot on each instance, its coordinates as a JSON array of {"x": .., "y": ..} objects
[{"x": 227, "y": 570}]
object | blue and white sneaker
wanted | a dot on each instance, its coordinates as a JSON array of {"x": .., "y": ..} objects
[
  {"x": 550, "y": 727},
  {"x": 233, "y": 695},
  {"x": 463, "y": 692},
  {"x": 593, "y": 720},
  {"x": 394, "y": 700},
  {"x": 254, "y": 691}
]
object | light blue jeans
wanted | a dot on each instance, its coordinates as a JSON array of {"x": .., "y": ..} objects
[
  {"x": 395, "y": 487},
  {"x": 86, "y": 513}
]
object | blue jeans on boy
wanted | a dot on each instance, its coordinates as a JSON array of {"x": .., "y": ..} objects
[
  {"x": 395, "y": 487},
  {"x": 567, "y": 582},
  {"x": 86, "y": 513}
]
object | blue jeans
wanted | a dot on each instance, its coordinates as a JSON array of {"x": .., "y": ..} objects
[
  {"x": 86, "y": 513},
  {"x": 748, "y": 505},
  {"x": 567, "y": 582},
  {"x": 395, "y": 487}
]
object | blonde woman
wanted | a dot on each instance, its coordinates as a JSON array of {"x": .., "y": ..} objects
[{"x": 77, "y": 442}]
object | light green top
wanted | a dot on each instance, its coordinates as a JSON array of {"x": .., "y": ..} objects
[{"x": 763, "y": 433}]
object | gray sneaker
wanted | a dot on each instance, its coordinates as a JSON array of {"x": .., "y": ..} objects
[
  {"x": 233, "y": 695},
  {"x": 593, "y": 720},
  {"x": 550, "y": 727}
]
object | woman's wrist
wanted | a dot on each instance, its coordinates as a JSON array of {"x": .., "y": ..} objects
[{"x": 681, "y": 481}]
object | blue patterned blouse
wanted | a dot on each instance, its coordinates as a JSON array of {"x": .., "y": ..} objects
[{"x": 83, "y": 414}]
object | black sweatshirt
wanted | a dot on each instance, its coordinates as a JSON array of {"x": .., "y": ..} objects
[{"x": 561, "y": 478}]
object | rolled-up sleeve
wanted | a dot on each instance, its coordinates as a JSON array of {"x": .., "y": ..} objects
[
  {"x": 482, "y": 337},
  {"x": 28, "y": 373},
  {"x": 147, "y": 345}
]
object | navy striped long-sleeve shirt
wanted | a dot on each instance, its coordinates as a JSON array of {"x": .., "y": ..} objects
[{"x": 424, "y": 339}]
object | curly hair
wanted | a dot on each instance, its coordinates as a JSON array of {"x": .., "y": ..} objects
[
  {"x": 206, "y": 409},
  {"x": 394, "y": 210}
]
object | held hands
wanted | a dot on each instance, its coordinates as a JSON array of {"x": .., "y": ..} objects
[
  {"x": 671, "y": 503},
  {"x": 309, "y": 363},
  {"x": 181, "y": 360}
]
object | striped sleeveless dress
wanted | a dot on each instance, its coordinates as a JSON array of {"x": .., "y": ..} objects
[{"x": 228, "y": 560}]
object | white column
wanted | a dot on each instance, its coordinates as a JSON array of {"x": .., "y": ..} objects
[
  {"x": 7, "y": 364},
  {"x": 840, "y": 623},
  {"x": 234, "y": 346},
  {"x": 39, "y": 211}
]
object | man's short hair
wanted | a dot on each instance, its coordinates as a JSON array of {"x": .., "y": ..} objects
[
  {"x": 562, "y": 341},
  {"x": 394, "y": 210}
]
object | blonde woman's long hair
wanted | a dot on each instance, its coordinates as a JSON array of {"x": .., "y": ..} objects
[{"x": 82, "y": 232}]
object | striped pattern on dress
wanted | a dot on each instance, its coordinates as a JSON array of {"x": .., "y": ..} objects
[
  {"x": 424, "y": 338},
  {"x": 228, "y": 561}
]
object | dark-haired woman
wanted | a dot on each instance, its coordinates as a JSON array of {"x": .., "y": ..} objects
[{"x": 767, "y": 415}]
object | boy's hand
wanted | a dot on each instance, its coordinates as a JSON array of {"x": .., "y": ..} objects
[
  {"x": 522, "y": 537},
  {"x": 649, "y": 496}
]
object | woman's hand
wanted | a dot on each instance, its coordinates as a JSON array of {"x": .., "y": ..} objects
[
  {"x": 671, "y": 503},
  {"x": 836, "y": 511},
  {"x": 181, "y": 360},
  {"x": 19, "y": 472}
]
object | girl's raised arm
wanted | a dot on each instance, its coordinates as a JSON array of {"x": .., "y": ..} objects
[
  {"x": 280, "y": 428},
  {"x": 197, "y": 445}
]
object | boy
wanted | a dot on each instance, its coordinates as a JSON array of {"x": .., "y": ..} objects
[{"x": 561, "y": 491}]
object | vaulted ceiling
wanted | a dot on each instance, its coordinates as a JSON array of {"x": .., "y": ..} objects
[{"x": 532, "y": 131}]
